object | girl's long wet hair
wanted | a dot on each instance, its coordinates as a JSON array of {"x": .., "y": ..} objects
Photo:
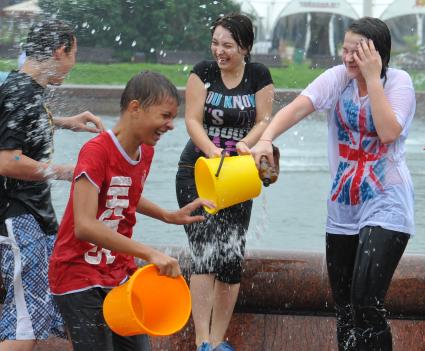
[
  {"x": 149, "y": 88},
  {"x": 240, "y": 27},
  {"x": 378, "y": 32}
]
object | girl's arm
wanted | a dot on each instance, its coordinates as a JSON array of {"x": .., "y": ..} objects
[
  {"x": 88, "y": 228},
  {"x": 384, "y": 117},
  {"x": 264, "y": 103},
  {"x": 287, "y": 117},
  {"x": 320, "y": 95},
  {"x": 196, "y": 94}
]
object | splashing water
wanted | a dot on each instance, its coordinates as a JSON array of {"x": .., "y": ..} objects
[{"x": 260, "y": 219}]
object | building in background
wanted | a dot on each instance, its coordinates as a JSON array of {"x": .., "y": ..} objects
[{"x": 316, "y": 27}]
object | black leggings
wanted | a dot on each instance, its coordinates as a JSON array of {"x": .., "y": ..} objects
[{"x": 360, "y": 269}]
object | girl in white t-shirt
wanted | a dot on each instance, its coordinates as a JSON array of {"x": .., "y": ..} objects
[{"x": 370, "y": 206}]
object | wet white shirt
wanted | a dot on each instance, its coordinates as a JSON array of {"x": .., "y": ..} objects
[{"x": 371, "y": 184}]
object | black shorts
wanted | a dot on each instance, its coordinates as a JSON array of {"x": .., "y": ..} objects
[
  {"x": 83, "y": 316},
  {"x": 217, "y": 245}
]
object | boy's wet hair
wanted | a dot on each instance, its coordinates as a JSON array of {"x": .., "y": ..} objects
[
  {"x": 46, "y": 36},
  {"x": 377, "y": 30},
  {"x": 149, "y": 88},
  {"x": 240, "y": 26}
]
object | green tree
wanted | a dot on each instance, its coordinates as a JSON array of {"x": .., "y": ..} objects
[{"x": 147, "y": 26}]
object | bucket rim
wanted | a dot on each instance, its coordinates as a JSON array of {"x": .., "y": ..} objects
[{"x": 204, "y": 161}]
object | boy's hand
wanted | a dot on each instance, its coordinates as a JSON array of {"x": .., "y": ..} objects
[
  {"x": 60, "y": 172},
  {"x": 167, "y": 265},
  {"x": 81, "y": 123},
  {"x": 183, "y": 216}
]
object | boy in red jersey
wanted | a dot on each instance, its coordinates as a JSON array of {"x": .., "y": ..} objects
[{"x": 94, "y": 251}]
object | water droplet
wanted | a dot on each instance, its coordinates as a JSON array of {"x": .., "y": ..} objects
[
  {"x": 203, "y": 6},
  {"x": 152, "y": 50},
  {"x": 133, "y": 44},
  {"x": 118, "y": 37},
  {"x": 93, "y": 31}
]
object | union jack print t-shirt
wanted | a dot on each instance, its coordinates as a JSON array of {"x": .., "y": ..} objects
[{"x": 371, "y": 184}]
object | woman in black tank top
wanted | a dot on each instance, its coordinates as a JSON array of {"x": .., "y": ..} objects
[{"x": 228, "y": 105}]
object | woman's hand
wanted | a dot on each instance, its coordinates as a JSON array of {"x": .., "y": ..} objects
[
  {"x": 368, "y": 60},
  {"x": 214, "y": 151},
  {"x": 242, "y": 148},
  {"x": 263, "y": 148}
]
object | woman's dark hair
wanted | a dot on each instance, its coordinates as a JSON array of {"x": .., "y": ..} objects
[
  {"x": 240, "y": 27},
  {"x": 377, "y": 30},
  {"x": 47, "y": 36},
  {"x": 149, "y": 88}
]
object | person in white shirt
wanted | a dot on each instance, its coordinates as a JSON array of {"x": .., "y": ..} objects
[{"x": 370, "y": 108}]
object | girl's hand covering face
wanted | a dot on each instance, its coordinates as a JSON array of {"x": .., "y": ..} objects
[{"x": 368, "y": 59}]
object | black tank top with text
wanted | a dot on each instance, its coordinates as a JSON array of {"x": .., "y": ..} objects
[{"x": 229, "y": 114}]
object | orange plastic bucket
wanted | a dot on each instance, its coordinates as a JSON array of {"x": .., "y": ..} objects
[
  {"x": 227, "y": 181},
  {"x": 148, "y": 303}
]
